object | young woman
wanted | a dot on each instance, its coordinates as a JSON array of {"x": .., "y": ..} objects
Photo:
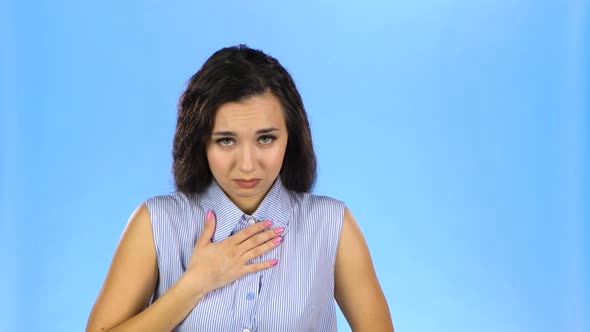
[{"x": 241, "y": 245}]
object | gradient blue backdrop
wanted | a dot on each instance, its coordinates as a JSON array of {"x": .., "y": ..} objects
[{"x": 456, "y": 131}]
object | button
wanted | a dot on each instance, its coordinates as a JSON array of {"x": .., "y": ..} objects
[
  {"x": 246, "y": 330},
  {"x": 251, "y": 221},
  {"x": 250, "y": 296}
]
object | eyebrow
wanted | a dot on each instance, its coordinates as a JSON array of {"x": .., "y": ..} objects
[{"x": 231, "y": 133}]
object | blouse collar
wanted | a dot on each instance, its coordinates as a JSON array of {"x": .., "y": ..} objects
[{"x": 276, "y": 207}]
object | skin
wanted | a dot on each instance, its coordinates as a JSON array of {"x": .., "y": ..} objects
[
  {"x": 356, "y": 288},
  {"x": 237, "y": 151},
  {"x": 244, "y": 154}
]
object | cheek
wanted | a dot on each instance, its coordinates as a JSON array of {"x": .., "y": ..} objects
[
  {"x": 217, "y": 161},
  {"x": 276, "y": 159}
]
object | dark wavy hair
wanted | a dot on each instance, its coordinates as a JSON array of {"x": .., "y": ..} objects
[{"x": 233, "y": 74}]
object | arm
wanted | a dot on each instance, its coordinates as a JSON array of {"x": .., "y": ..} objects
[
  {"x": 130, "y": 282},
  {"x": 357, "y": 289}
]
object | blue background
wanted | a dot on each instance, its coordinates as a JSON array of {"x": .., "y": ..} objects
[{"x": 456, "y": 131}]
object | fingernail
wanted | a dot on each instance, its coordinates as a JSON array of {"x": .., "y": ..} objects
[
  {"x": 279, "y": 230},
  {"x": 277, "y": 240},
  {"x": 267, "y": 223},
  {"x": 209, "y": 214},
  {"x": 274, "y": 262}
]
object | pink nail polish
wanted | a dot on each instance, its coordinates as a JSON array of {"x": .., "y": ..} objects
[
  {"x": 277, "y": 240},
  {"x": 267, "y": 223},
  {"x": 274, "y": 262},
  {"x": 209, "y": 214},
  {"x": 279, "y": 230}
]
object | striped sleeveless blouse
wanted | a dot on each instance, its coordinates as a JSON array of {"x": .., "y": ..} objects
[{"x": 295, "y": 295}]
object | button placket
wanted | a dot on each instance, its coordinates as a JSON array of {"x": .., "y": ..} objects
[
  {"x": 250, "y": 296},
  {"x": 249, "y": 292},
  {"x": 248, "y": 301}
]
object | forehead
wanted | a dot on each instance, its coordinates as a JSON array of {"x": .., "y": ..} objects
[{"x": 255, "y": 112}]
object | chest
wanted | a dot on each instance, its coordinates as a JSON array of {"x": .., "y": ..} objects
[{"x": 296, "y": 294}]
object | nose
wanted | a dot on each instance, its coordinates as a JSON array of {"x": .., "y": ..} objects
[{"x": 247, "y": 159}]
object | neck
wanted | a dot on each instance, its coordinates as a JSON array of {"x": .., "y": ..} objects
[{"x": 247, "y": 205}]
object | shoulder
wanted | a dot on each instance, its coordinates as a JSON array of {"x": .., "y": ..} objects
[
  {"x": 322, "y": 214},
  {"x": 313, "y": 202},
  {"x": 171, "y": 202},
  {"x": 174, "y": 210}
]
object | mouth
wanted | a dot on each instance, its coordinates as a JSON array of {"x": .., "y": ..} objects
[{"x": 247, "y": 183}]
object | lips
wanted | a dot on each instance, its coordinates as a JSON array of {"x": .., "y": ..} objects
[{"x": 247, "y": 183}]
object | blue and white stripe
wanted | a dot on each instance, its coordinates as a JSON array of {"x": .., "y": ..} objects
[{"x": 295, "y": 295}]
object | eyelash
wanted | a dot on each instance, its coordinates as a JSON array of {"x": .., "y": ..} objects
[
  {"x": 220, "y": 140},
  {"x": 270, "y": 137}
]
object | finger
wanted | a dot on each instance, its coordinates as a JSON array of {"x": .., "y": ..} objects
[
  {"x": 208, "y": 229},
  {"x": 255, "y": 267},
  {"x": 261, "y": 249},
  {"x": 256, "y": 240},
  {"x": 249, "y": 231}
]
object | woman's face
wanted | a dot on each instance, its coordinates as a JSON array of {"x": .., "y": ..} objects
[{"x": 247, "y": 147}]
